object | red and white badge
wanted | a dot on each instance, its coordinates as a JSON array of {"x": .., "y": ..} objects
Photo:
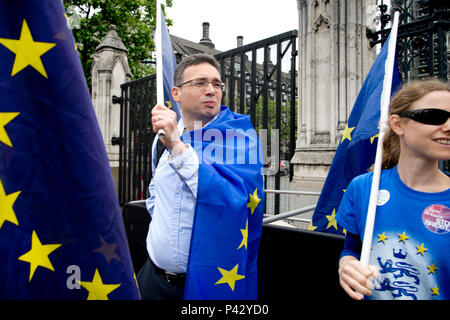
[{"x": 436, "y": 218}]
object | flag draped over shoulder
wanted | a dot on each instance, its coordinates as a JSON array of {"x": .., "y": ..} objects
[
  {"x": 169, "y": 66},
  {"x": 61, "y": 230},
  {"x": 229, "y": 210},
  {"x": 356, "y": 151}
]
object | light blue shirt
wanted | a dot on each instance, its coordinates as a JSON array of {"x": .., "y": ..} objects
[{"x": 173, "y": 191}]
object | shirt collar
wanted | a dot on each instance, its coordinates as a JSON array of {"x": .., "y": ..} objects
[{"x": 182, "y": 127}]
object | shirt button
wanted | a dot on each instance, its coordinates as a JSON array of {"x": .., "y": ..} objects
[
  {"x": 179, "y": 166},
  {"x": 172, "y": 244}
]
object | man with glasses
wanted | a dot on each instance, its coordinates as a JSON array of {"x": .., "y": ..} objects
[
  {"x": 198, "y": 90},
  {"x": 175, "y": 189}
]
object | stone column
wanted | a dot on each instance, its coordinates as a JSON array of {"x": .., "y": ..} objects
[
  {"x": 109, "y": 70},
  {"x": 334, "y": 59}
]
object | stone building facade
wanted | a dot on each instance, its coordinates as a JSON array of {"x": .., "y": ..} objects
[
  {"x": 109, "y": 70},
  {"x": 334, "y": 59}
]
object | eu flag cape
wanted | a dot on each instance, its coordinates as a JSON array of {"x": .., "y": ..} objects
[
  {"x": 61, "y": 230},
  {"x": 356, "y": 151},
  {"x": 229, "y": 210}
]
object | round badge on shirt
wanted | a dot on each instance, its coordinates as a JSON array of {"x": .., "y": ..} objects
[
  {"x": 436, "y": 218},
  {"x": 383, "y": 197}
]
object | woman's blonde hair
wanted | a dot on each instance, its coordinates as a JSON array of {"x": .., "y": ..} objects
[{"x": 401, "y": 101}]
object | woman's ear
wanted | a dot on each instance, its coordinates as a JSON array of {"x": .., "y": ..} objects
[{"x": 396, "y": 124}]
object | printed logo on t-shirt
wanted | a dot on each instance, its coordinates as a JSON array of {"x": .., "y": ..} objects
[
  {"x": 383, "y": 197},
  {"x": 408, "y": 269},
  {"x": 436, "y": 218}
]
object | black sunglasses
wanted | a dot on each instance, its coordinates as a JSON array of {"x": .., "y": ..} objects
[{"x": 427, "y": 116}]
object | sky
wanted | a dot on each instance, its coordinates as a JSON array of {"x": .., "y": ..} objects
[{"x": 253, "y": 19}]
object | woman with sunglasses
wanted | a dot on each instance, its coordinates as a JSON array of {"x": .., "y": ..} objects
[{"x": 411, "y": 243}]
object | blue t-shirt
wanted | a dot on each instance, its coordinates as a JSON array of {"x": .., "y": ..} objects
[{"x": 411, "y": 237}]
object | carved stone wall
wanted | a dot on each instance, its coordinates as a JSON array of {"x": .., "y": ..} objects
[
  {"x": 334, "y": 59},
  {"x": 109, "y": 70}
]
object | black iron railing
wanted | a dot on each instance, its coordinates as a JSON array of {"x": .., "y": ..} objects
[
  {"x": 136, "y": 137},
  {"x": 267, "y": 92}
]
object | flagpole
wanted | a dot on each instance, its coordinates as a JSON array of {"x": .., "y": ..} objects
[
  {"x": 384, "y": 112},
  {"x": 159, "y": 61}
]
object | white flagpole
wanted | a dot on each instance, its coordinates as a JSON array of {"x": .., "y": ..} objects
[
  {"x": 385, "y": 99},
  {"x": 159, "y": 61}
]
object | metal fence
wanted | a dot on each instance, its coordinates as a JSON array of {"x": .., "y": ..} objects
[
  {"x": 267, "y": 92},
  {"x": 136, "y": 137}
]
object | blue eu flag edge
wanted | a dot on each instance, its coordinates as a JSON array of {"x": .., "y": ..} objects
[
  {"x": 356, "y": 151},
  {"x": 61, "y": 230},
  {"x": 170, "y": 64}
]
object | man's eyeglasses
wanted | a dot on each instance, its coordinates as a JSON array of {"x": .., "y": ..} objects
[
  {"x": 427, "y": 116},
  {"x": 203, "y": 83}
]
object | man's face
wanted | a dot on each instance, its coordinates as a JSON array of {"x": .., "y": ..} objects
[{"x": 199, "y": 103}]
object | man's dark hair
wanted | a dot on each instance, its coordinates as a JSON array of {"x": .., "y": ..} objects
[{"x": 193, "y": 60}]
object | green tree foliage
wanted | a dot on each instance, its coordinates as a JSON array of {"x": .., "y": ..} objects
[{"x": 134, "y": 21}]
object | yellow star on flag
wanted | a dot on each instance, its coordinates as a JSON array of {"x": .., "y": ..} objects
[
  {"x": 347, "y": 133},
  {"x": 403, "y": 237},
  {"x": 68, "y": 26},
  {"x": 230, "y": 277},
  {"x": 169, "y": 104},
  {"x": 6, "y": 206},
  {"x": 5, "y": 118},
  {"x": 432, "y": 269},
  {"x": 435, "y": 291},
  {"x": 421, "y": 249},
  {"x": 382, "y": 238},
  {"x": 311, "y": 227},
  {"x": 372, "y": 139},
  {"x": 137, "y": 284},
  {"x": 254, "y": 201},
  {"x": 244, "y": 236},
  {"x": 28, "y": 52},
  {"x": 97, "y": 289},
  {"x": 38, "y": 255},
  {"x": 332, "y": 220}
]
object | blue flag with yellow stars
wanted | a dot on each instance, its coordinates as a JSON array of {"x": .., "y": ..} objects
[
  {"x": 61, "y": 230},
  {"x": 169, "y": 66},
  {"x": 229, "y": 210},
  {"x": 356, "y": 151}
]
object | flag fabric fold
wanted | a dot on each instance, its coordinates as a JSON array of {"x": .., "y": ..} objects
[
  {"x": 169, "y": 66},
  {"x": 61, "y": 230},
  {"x": 357, "y": 148},
  {"x": 229, "y": 210}
]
